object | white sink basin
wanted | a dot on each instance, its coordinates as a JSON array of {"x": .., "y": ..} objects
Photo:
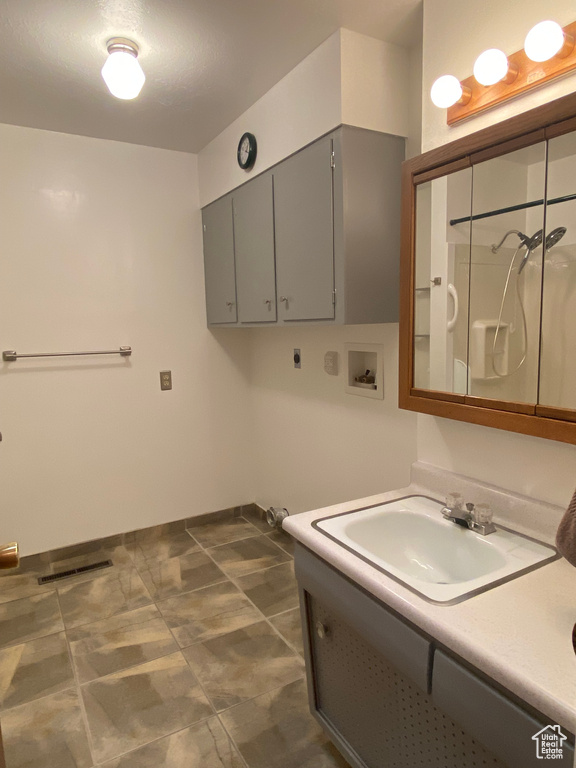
[{"x": 411, "y": 542}]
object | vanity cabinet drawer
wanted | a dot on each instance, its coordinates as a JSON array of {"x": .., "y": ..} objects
[
  {"x": 403, "y": 647},
  {"x": 491, "y": 718}
]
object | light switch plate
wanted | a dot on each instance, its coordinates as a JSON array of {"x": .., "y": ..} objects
[{"x": 331, "y": 363}]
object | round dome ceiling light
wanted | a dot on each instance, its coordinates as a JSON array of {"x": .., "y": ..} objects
[
  {"x": 447, "y": 91},
  {"x": 547, "y": 39},
  {"x": 122, "y": 72},
  {"x": 493, "y": 66}
]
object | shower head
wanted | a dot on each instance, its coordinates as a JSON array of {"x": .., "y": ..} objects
[
  {"x": 528, "y": 242},
  {"x": 554, "y": 237},
  {"x": 531, "y": 243}
]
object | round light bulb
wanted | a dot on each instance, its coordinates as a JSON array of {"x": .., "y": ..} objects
[
  {"x": 491, "y": 66},
  {"x": 123, "y": 74},
  {"x": 544, "y": 41},
  {"x": 446, "y": 91}
]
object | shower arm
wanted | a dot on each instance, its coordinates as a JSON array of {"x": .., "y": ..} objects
[{"x": 521, "y": 235}]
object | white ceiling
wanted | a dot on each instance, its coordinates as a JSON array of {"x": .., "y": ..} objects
[{"x": 206, "y": 61}]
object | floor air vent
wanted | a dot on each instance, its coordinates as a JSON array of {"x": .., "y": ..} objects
[{"x": 75, "y": 571}]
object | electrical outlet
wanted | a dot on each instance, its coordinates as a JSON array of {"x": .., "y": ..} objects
[
  {"x": 297, "y": 359},
  {"x": 165, "y": 380}
]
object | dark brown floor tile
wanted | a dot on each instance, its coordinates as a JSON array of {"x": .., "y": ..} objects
[
  {"x": 204, "y": 745},
  {"x": 180, "y": 574},
  {"x": 134, "y": 707},
  {"x": 34, "y": 669},
  {"x": 119, "y": 591},
  {"x": 208, "y": 612},
  {"x": 214, "y": 517},
  {"x": 84, "y": 549},
  {"x": 28, "y": 618},
  {"x": 248, "y": 555},
  {"x": 119, "y": 642},
  {"x": 47, "y": 733},
  {"x": 290, "y": 627},
  {"x": 21, "y": 582},
  {"x": 257, "y": 516},
  {"x": 276, "y": 730},
  {"x": 222, "y": 531},
  {"x": 118, "y": 555},
  {"x": 283, "y": 539},
  {"x": 243, "y": 664},
  {"x": 155, "y": 531},
  {"x": 162, "y": 547},
  {"x": 272, "y": 591}
]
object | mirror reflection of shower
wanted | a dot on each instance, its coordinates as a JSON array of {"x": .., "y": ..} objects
[{"x": 529, "y": 244}]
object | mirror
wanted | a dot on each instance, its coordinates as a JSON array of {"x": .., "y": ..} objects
[
  {"x": 488, "y": 324},
  {"x": 558, "y": 336}
]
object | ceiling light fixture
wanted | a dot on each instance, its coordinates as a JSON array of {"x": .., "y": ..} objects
[
  {"x": 547, "y": 39},
  {"x": 492, "y": 66},
  {"x": 122, "y": 72},
  {"x": 447, "y": 91}
]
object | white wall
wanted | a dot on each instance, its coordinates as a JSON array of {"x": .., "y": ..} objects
[
  {"x": 375, "y": 84},
  {"x": 350, "y": 78},
  {"x": 101, "y": 247},
  {"x": 454, "y": 34},
  {"x": 304, "y": 105},
  {"x": 315, "y": 444}
]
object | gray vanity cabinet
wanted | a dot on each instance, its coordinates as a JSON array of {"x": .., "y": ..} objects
[
  {"x": 389, "y": 697},
  {"x": 254, "y": 249},
  {"x": 303, "y": 218},
  {"x": 219, "y": 265}
]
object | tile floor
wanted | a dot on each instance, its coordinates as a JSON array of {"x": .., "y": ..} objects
[{"x": 187, "y": 653}]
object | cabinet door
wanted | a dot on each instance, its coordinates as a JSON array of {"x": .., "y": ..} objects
[
  {"x": 254, "y": 249},
  {"x": 515, "y": 736},
  {"x": 303, "y": 216},
  {"x": 219, "y": 268}
]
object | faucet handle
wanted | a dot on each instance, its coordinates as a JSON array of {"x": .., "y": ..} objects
[
  {"x": 483, "y": 513},
  {"x": 454, "y": 500}
]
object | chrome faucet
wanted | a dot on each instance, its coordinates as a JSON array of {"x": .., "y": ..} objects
[{"x": 481, "y": 524}]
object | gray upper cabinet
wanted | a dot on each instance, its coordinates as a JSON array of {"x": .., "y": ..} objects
[
  {"x": 254, "y": 248},
  {"x": 303, "y": 218},
  {"x": 315, "y": 239},
  {"x": 219, "y": 266}
]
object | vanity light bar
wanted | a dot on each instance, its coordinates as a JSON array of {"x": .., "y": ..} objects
[{"x": 530, "y": 74}]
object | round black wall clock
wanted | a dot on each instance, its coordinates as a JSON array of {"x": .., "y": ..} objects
[{"x": 247, "y": 151}]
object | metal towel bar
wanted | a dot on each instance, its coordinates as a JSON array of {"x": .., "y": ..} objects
[{"x": 9, "y": 355}]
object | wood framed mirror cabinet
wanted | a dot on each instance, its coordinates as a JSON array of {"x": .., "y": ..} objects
[{"x": 488, "y": 276}]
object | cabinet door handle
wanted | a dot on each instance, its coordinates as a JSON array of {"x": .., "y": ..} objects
[
  {"x": 321, "y": 630},
  {"x": 230, "y": 303},
  {"x": 269, "y": 302}
]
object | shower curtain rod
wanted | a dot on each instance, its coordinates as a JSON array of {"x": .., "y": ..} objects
[
  {"x": 519, "y": 207},
  {"x": 9, "y": 355}
]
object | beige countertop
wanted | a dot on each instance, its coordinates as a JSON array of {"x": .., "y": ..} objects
[{"x": 518, "y": 633}]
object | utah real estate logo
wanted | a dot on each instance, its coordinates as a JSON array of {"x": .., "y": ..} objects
[{"x": 549, "y": 743}]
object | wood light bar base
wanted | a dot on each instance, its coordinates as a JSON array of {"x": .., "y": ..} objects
[{"x": 531, "y": 74}]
